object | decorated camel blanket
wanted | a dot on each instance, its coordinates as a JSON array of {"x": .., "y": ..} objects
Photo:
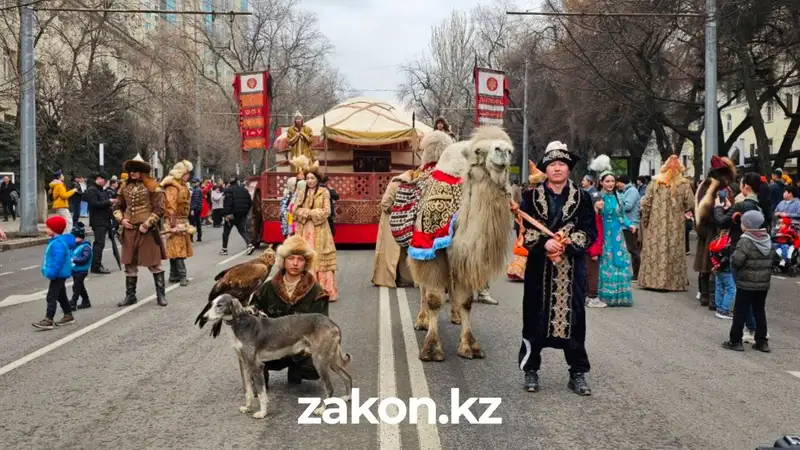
[{"x": 436, "y": 213}]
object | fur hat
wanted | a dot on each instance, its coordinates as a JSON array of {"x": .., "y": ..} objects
[
  {"x": 441, "y": 119},
  {"x": 181, "y": 168},
  {"x": 722, "y": 167},
  {"x": 557, "y": 151},
  {"x": 295, "y": 245},
  {"x": 137, "y": 164}
]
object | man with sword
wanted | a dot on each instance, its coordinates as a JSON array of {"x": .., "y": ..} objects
[{"x": 139, "y": 209}]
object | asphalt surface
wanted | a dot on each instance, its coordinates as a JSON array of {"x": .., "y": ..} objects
[{"x": 148, "y": 378}]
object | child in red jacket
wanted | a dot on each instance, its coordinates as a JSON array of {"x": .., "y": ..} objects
[{"x": 596, "y": 249}]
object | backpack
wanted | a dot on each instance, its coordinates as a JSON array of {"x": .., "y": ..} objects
[{"x": 404, "y": 212}]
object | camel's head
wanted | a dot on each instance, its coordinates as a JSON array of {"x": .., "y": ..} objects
[{"x": 490, "y": 151}]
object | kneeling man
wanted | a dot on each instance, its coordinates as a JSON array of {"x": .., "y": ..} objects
[{"x": 293, "y": 290}]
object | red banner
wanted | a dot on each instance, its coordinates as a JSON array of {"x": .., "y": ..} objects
[
  {"x": 253, "y": 94},
  {"x": 491, "y": 96}
]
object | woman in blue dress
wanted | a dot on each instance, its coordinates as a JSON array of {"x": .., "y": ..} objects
[{"x": 615, "y": 262}]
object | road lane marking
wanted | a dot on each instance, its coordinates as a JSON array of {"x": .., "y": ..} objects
[
  {"x": 5, "y": 273},
  {"x": 29, "y": 267},
  {"x": 797, "y": 374},
  {"x": 71, "y": 337},
  {"x": 227, "y": 260},
  {"x": 428, "y": 433},
  {"x": 17, "y": 299},
  {"x": 388, "y": 434},
  {"x": 780, "y": 278}
]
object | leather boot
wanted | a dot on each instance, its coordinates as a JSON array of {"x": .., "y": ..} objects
[
  {"x": 531, "y": 381},
  {"x": 130, "y": 291},
  {"x": 161, "y": 294},
  {"x": 174, "y": 277},
  {"x": 703, "y": 283},
  {"x": 181, "y": 263}
]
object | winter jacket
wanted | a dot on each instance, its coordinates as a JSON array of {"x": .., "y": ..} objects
[
  {"x": 631, "y": 202},
  {"x": 75, "y": 200},
  {"x": 82, "y": 257},
  {"x": 60, "y": 194},
  {"x": 776, "y": 189},
  {"x": 217, "y": 199},
  {"x": 99, "y": 206},
  {"x": 732, "y": 218},
  {"x": 196, "y": 204},
  {"x": 237, "y": 201},
  {"x": 752, "y": 261},
  {"x": 789, "y": 208},
  {"x": 5, "y": 191},
  {"x": 57, "y": 262}
]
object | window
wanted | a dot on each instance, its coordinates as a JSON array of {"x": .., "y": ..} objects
[
  {"x": 769, "y": 142},
  {"x": 371, "y": 161},
  {"x": 770, "y": 112},
  {"x": 789, "y": 100},
  {"x": 752, "y": 150},
  {"x": 243, "y": 5},
  {"x": 148, "y": 26},
  {"x": 728, "y": 123}
]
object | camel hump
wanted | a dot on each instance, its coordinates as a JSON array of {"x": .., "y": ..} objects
[{"x": 490, "y": 132}]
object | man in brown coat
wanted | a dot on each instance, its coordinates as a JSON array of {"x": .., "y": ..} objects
[{"x": 139, "y": 209}]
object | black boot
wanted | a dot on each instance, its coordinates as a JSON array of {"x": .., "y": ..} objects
[
  {"x": 173, "y": 271},
  {"x": 531, "y": 381},
  {"x": 161, "y": 295},
  {"x": 577, "y": 383},
  {"x": 703, "y": 285},
  {"x": 712, "y": 292},
  {"x": 130, "y": 291},
  {"x": 181, "y": 263},
  {"x": 73, "y": 304},
  {"x": 762, "y": 346},
  {"x": 85, "y": 303}
]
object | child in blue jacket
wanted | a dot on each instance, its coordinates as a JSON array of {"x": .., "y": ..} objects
[
  {"x": 57, "y": 267},
  {"x": 81, "y": 262}
]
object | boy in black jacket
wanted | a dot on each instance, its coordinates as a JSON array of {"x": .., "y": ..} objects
[{"x": 752, "y": 261}]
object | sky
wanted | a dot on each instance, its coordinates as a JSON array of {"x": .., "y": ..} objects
[{"x": 372, "y": 38}]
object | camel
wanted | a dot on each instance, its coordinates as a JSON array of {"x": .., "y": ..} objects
[{"x": 468, "y": 197}]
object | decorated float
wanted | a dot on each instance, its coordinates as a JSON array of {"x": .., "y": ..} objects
[{"x": 360, "y": 145}]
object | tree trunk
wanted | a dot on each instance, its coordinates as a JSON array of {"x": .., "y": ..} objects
[
  {"x": 748, "y": 69},
  {"x": 788, "y": 139},
  {"x": 697, "y": 156}
]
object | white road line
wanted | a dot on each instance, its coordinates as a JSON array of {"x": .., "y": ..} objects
[
  {"x": 780, "y": 278},
  {"x": 29, "y": 267},
  {"x": 17, "y": 299},
  {"x": 71, "y": 337},
  {"x": 227, "y": 260},
  {"x": 428, "y": 432},
  {"x": 5, "y": 273},
  {"x": 797, "y": 374},
  {"x": 388, "y": 434}
]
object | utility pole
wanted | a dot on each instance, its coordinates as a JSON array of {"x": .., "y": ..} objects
[
  {"x": 711, "y": 86},
  {"x": 27, "y": 124},
  {"x": 198, "y": 168},
  {"x": 525, "y": 154}
]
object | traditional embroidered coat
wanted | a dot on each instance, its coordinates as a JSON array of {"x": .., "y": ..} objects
[
  {"x": 300, "y": 141},
  {"x": 553, "y": 311},
  {"x": 142, "y": 203},
  {"x": 176, "y": 215}
]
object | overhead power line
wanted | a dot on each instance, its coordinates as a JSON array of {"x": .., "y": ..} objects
[
  {"x": 602, "y": 14},
  {"x": 147, "y": 11}
]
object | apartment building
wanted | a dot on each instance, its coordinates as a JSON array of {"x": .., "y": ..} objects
[{"x": 776, "y": 123}]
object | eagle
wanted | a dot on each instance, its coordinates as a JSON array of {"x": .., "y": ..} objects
[{"x": 240, "y": 281}]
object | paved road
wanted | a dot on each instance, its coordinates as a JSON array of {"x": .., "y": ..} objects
[{"x": 146, "y": 378}]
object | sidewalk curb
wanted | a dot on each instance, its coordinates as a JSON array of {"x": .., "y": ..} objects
[{"x": 14, "y": 244}]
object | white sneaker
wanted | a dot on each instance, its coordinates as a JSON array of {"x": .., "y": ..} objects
[
  {"x": 749, "y": 337},
  {"x": 698, "y": 297},
  {"x": 596, "y": 303}
]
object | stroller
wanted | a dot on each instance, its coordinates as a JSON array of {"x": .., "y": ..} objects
[{"x": 787, "y": 243}]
